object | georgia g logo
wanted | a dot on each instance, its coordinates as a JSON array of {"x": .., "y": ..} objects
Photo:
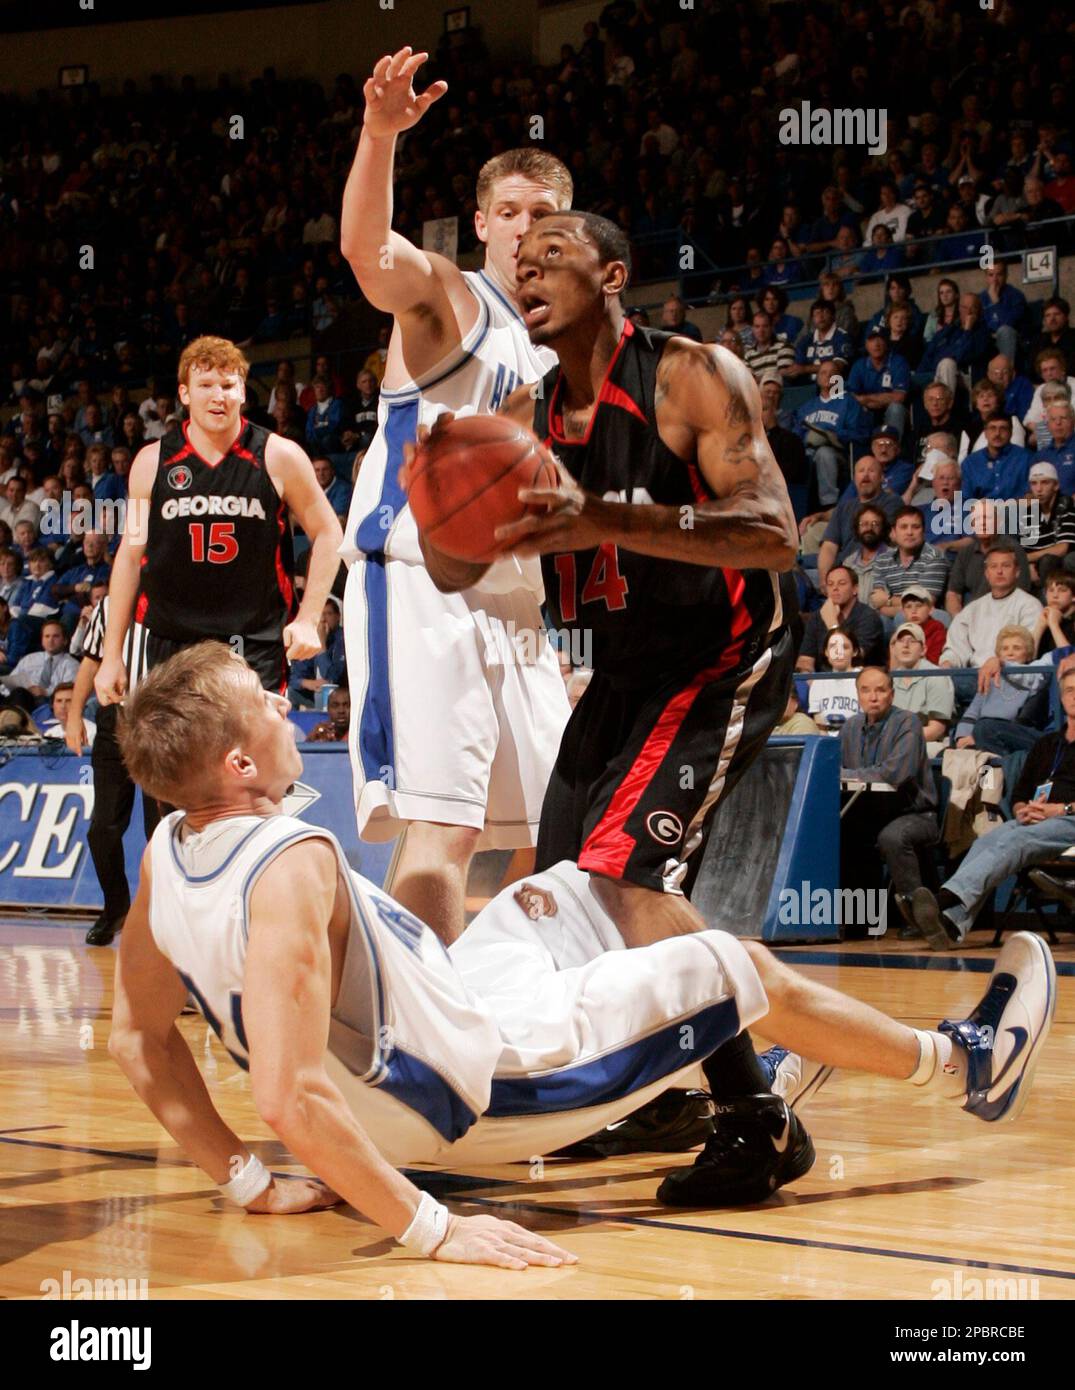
[
  {"x": 180, "y": 477},
  {"x": 665, "y": 827}
]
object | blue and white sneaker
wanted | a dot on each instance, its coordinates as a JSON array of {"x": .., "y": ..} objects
[
  {"x": 792, "y": 1077},
  {"x": 1006, "y": 1031}
]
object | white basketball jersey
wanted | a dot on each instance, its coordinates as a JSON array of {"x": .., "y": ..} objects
[
  {"x": 410, "y": 1047},
  {"x": 494, "y": 358}
]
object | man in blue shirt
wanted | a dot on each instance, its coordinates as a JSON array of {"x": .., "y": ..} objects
[
  {"x": 1001, "y": 469},
  {"x": 1003, "y": 309},
  {"x": 1060, "y": 417},
  {"x": 1017, "y": 391},
  {"x": 72, "y": 588},
  {"x": 880, "y": 382},
  {"x": 955, "y": 347},
  {"x": 832, "y": 427},
  {"x": 823, "y": 344},
  {"x": 324, "y": 423},
  {"x": 821, "y": 235}
]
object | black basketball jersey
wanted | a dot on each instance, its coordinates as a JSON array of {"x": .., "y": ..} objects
[
  {"x": 647, "y": 616},
  {"x": 218, "y": 560}
]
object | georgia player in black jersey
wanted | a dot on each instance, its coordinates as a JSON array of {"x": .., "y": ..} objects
[
  {"x": 665, "y": 539},
  {"x": 207, "y": 541}
]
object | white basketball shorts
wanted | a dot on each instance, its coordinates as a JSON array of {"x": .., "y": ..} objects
[{"x": 457, "y": 705}]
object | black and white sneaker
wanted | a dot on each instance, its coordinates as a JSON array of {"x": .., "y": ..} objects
[{"x": 758, "y": 1145}]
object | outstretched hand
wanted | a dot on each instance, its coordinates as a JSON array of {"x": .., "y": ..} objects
[{"x": 392, "y": 105}]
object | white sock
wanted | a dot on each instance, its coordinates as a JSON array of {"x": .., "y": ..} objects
[{"x": 941, "y": 1065}]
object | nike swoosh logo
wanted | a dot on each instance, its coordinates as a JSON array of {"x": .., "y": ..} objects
[
  {"x": 616, "y": 1123},
  {"x": 781, "y": 1144},
  {"x": 1020, "y": 1036}
]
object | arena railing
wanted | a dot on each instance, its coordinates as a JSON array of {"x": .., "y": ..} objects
[{"x": 999, "y": 238}]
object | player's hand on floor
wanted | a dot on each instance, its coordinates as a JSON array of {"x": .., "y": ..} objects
[
  {"x": 292, "y": 1196},
  {"x": 486, "y": 1240},
  {"x": 301, "y": 641},
  {"x": 392, "y": 104}
]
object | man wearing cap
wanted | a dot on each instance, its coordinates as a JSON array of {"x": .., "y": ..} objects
[
  {"x": 913, "y": 561},
  {"x": 1060, "y": 418},
  {"x": 880, "y": 382},
  {"x": 916, "y": 606},
  {"x": 842, "y": 608},
  {"x": 895, "y": 471},
  {"x": 1000, "y": 470},
  {"x": 931, "y": 698},
  {"x": 885, "y": 744},
  {"x": 1047, "y": 525}
]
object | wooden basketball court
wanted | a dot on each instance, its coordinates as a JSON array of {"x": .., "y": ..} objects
[{"x": 909, "y": 1197}]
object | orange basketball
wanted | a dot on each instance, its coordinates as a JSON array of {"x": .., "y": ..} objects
[{"x": 465, "y": 483}]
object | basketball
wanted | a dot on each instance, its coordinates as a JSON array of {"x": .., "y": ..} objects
[{"x": 466, "y": 479}]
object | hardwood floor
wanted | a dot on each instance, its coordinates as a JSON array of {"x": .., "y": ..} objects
[{"x": 909, "y": 1197}]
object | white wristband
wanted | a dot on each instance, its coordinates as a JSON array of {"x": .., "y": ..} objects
[
  {"x": 428, "y": 1228},
  {"x": 249, "y": 1183}
]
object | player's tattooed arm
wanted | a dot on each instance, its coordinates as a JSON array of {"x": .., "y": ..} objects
[{"x": 709, "y": 412}]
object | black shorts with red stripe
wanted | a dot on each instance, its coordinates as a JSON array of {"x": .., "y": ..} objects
[
  {"x": 267, "y": 659},
  {"x": 640, "y": 772}
]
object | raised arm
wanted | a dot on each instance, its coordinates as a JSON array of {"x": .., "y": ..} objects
[{"x": 395, "y": 275}]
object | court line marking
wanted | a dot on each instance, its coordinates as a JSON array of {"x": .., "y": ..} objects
[
  {"x": 589, "y": 1216},
  {"x": 768, "y": 1238},
  {"x": 971, "y": 964}
]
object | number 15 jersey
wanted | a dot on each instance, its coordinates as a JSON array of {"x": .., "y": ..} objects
[{"x": 218, "y": 560}]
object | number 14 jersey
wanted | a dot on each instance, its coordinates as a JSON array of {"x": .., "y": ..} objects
[{"x": 647, "y": 616}]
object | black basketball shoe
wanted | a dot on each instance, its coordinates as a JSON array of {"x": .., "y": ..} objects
[
  {"x": 673, "y": 1123},
  {"x": 757, "y": 1145}
]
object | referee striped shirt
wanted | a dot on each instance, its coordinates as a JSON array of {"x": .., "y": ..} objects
[{"x": 134, "y": 644}]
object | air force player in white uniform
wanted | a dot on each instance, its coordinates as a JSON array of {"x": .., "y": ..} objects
[
  {"x": 457, "y": 704},
  {"x": 533, "y": 1031}
]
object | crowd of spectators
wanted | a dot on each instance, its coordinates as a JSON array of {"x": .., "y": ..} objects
[{"x": 935, "y": 448}]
